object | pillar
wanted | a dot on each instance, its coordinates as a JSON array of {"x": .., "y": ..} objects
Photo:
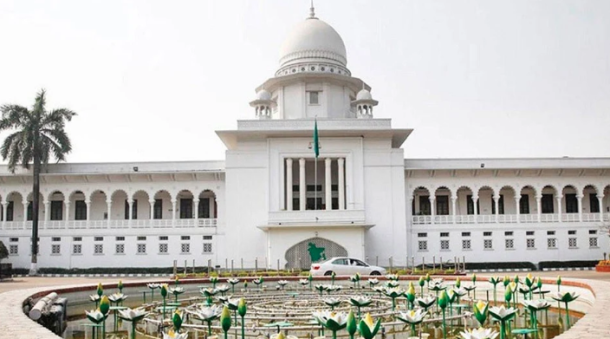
[
  {"x": 88, "y": 203},
  {"x": 5, "y": 207},
  {"x": 25, "y": 212},
  {"x": 539, "y": 207},
  {"x": 130, "y": 208},
  {"x": 174, "y": 212},
  {"x": 496, "y": 201},
  {"x": 302, "y": 186},
  {"x": 212, "y": 202},
  {"x": 109, "y": 212},
  {"x": 67, "y": 203},
  {"x": 341, "y": 186},
  {"x": 579, "y": 201},
  {"x": 288, "y": 184},
  {"x": 329, "y": 187},
  {"x": 196, "y": 211},
  {"x": 454, "y": 208},
  {"x": 152, "y": 208},
  {"x": 475, "y": 208},
  {"x": 47, "y": 212},
  {"x": 600, "y": 198},
  {"x": 558, "y": 198},
  {"x": 432, "y": 199},
  {"x": 518, "y": 208}
]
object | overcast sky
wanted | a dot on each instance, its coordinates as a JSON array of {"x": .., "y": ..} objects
[{"x": 153, "y": 80}]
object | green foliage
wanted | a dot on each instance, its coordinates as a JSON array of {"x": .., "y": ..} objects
[{"x": 3, "y": 251}]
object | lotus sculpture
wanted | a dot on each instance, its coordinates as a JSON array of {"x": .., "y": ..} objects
[
  {"x": 282, "y": 283},
  {"x": 233, "y": 282},
  {"x": 214, "y": 281},
  {"x": 393, "y": 293},
  {"x": 207, "y": 314},
  {"x": 480, "y": 333},
  {"x": 359, "y": 302},
  {"x": 534, "y": 306},
  {"x": 368, "y": 327},
  {"x": 133, "y": 316},
  {"x": 153, "y": 287},
  {"x": 481, "y": 311},
  {"x": 426, "y": 302},
  {"x": 373, "y": 282},
  {"x": 332, "y": 302},
  {"x": 566, "y": 298},
  {"x": 410, "y": 295},
  {"x": 502, "y": 315},
  {"x": 412, "y": 317},
  {"x": 176, "y": 292},
  {"x": 225, "y": 320},
  {"x": 333, "y": 321},
  {"x": 96, "y": 317},
  {"x": 495, "y": 281},
  {"x": 392, "y": 276}
]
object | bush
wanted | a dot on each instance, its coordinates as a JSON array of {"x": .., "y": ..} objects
[
  {"x": 567, "y": 264},
  {"x": 3, "y": 251},
  {"x": 500, "y": 265}
]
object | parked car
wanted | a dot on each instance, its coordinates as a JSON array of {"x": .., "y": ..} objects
[{"x": 345, "y": 266}]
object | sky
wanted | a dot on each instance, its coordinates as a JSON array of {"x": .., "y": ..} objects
[{"x": 153, "y": 80}]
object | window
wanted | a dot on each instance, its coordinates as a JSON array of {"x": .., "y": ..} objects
[
  {"x": 422, "y": 235},
  {"x": 13, "y": 250},
  {"x": 313, "y": 203},
  {"x": 77, "y": 239},
  {"x": 56, "y": 239},
  {"x": 593, "y": 242},
  {"x": 572, "y": 243},
  {"x": 207, "y": 247},
  {"x": 120, "y": 248},
  {"x": 442, "y": 205},
  {"x": 29, "y": 211},
  {"x": 593, "y": 203},
  {"x": 120, "y": 238},
  {"x": 424, "y": 205},
  {"x": 134, "y": 209},
  {"x": 163, "y": 238},
  {"x": 470, "y": 205},
  {"x": 444, "y": 245},
  {"x": 77, "y": 249},
  {"x": 14, "y": 240},
  {"x": 185, "y": 248},
  {"x": 9, "y": 211},
  {"x": 57, "y": 210},
  {"x": 80, "y": 210},
  {"x": 204, "y": 208},
  {"x": 465, "y": 234},
  {"x": 547, "y": 203},
  {"x": 529, "y": 233},
  {"x": 55, "y": 249},
  {"x": 571, "y": 232},
  {"x": 487, "y": 234},
  {"x": 466, "y": 244},
  {"x": 551, "y": 242},
  {"x": 314, "y": 97},
  {"x": 98, "y": 249},
  {"x": 444, "y": 234},
  {"x": 186, "y": 208},
  {"x": 550, "y": 232},
  {"x": 158, "y": 209},
  {"x": 508, "y": 233},
  {"x": 163, "y": 248},
  {"x": 141, "y": 238},
  {"x": 500, "y": 205},
  {"x": 524, "y": 204},
  {"x": 530, "y": 243},
  {"x": 422, "y": 245},
  {"x": 571, "y": 203},
  {"x": 487, "y": 244},
  {"x": 340, "y": 262},
  {"x": 509, "y": 244},
  {"x": 207, "y": 237},
  {"x": 592, "y": 231},
  {"x": 185, "y": 237},
  {"x": 98, "y": 239},
  {"x": 141, "y": 248}
]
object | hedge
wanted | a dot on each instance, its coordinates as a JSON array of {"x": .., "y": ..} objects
[{"x": 567, "y": 264}]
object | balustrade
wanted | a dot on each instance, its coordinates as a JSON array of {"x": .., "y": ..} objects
[
  {"x": 112, "y": 224},
  {"x": 507, "y": 218}
]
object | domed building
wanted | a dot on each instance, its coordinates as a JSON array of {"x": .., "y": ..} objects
[{"x": 282, "y": 194}]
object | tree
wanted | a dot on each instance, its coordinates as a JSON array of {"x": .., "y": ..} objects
[
  {"x": 37, "y": 135},
  {"x": 3, "y": 251}
]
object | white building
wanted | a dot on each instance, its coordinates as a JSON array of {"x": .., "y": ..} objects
[{"x": 261, "y": 206}]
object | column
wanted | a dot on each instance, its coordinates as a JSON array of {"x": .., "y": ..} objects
[
  {"x": 152, "y": 208},
  {"x": 496, "y": 201},
  {"x": 88, "y": 203},
  {"x": 600, "y": 198},
  {"x": 518, "y": 207},
  {"x": 432, "y": 199},
  {"x": 109, "y": 212},
  {"x": 579, "y": 200},
  {"x": 67, "y": 216},
  {"x": 302, "y": 187},
  {"x": 475, "y": 208},
  {"x": 558, "y": 198},
  {"x": 174, "y": 212},
  {"x": 454, "y": 207},
  {"x": 329, "y": 187},
  {"x": 130, "y": 208},
  {"x": 25, "y": 212},
  {"x": 539, "y": 207},
  {"x": 196, "y": 211},
  {"x": 340, "y": 165},
  {"x": 212, "y": 202},
  {"x": 47, "y": 213},
  {"x": 5, "y": 207},
  {"x": 288, "y": 184}
]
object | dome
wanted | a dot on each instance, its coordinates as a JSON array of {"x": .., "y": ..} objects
[
  {"x": 263, "y": 94},
  {"x": 364, "y": 94},
  {"x": 313, "y": 39}
]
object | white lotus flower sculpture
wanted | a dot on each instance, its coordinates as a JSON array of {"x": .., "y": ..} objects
[
  {"x": 207, "y": 314},
  {"x": 173, "y": 335},
  {"x": 332, "y": 302},
  {"x": 480, "y": 333},
  {"x": 224, "y": 288},
  {"x": 334, "y": 321},
  {"x": 133, "y": 316},
  {"x": 412, "y": 317},
  {"x": 117, "y": 297},
  {"x": 503, "y": 315}
]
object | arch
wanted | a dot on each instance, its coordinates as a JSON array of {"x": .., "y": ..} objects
[
  {"x": 184, "y": 194},
  {"x": 161, "y": 192},
  {"x": 140, "y": 192},
  {"x": 442, "y": 188},
  {"x": 55, "y": 195},
  {"x": 595, "y": 187},
  {"x": 211, "y": 209},
  {"x": 575, "y": 188},
  {"x": 528, "y": 187},
  {"x": 10, "y": 196},
  {"x": 421, "y": 206},
  {"x": 507, "y": 186},
  {"x": 485, "y": 187},
  {"x": 118, "y": 192},
  {"x": 76, "y": 194},
  {"x": 97, "y": 192},
  {"x": 420, "y": 188},
  {"x": 301, "y": 254},
  {"x": 549, "y": 187}
]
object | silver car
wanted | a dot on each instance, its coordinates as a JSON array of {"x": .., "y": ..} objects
[{"x": 345, "y": 266}]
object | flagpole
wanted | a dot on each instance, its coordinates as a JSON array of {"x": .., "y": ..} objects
[{"x": 315, "y": 184}]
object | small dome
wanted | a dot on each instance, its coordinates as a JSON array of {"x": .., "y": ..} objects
[
  {"x": 313, "y": 39},
  {"x": 263, "y": 94},
  {"x": 364, "y": 95}
]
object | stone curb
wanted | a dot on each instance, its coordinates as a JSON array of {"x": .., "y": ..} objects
[{"x": 122, "y": 275}]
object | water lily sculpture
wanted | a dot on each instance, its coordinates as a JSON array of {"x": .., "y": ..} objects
[
  {"x": 233, "y": 282},
  {"x": 174, "y": 333},
  {"x": 332, "y": 302},
  {"x": 208, "y": 293},
  {"x": 392, "y": 276},
  {"x": 426, "y": 302},
  {"x": 222, "y": 289},
  {"x": 207, "y": 314},
  {"x": 421, "y": 282},
  {"x": 391, "y": 283},
  {"x": 394, "y": 293},
  {"x": 214, "y": 280},
  {"x": 539, "y": 286},
  {"x": 412, "y": 317},
  {"x": 177, "y": 280},
  {"x": 96, "y": 317},
  {"x": 355, "y": 279},
  {"x": 258, "y": 281},
  {"x": 320, "y": 288},
  {"x": 225, "y": 320},
  {"x": 95, "y": 298},
  {"x": 282, "y": 283},
  {"x": 410, "y": 295},
  {"x": 164, "y": 295},
  {"x": 332, "y": 288},
  {"x": 566, "y": 298},
  {"x": 100, "y": 289},
  {"x": 443, "y": 301},
  {"x": 480, "y": 333},
  {"x": 534, "y": 306},
  {"x": 176, "y": 292},
  {"x": 351, "y": 326},
  {"x": 359, "y": 302},
  {"x": 241, "y": 310},
  {"x": 332, "y": 277},
  {"x": 117, "y": 298},
  {"x": 458, "y": 282},
  {"x": 459, "y": 292},
  {"x": 368, "y": 327},
  {"x": 506, "y": 281},
  {"x": 481, "y": 311},
  {"x": 104, "y": 308},
  {"x": 495, "y": 281},
  {"x": 303, "y": 282},
  {"x": 310, "y": 278},
  {"x": 373, "y": 282},
  {"x": 334, "y": 321},
  {"x": 502, "y": 315},
  {"x": 120, "y": 286},
  {"x": 153, "y": 287},
  {"x": 133, "y": 316},
  {"x": 508, "y": 295}
]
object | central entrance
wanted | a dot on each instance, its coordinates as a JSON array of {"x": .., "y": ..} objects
[{"x": 312, "y": 250}]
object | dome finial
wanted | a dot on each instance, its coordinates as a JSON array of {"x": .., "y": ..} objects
[{"x": 312, "y": 12}]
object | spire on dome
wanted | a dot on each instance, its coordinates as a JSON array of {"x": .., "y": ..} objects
[{"x": 312, "y": 11}]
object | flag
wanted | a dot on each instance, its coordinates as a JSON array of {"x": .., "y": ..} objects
[{"x": 316, "y": 147}]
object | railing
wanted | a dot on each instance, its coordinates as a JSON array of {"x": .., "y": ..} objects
[
  {"x": 508, "y": 218},
  {"x": 312, "y": 216},
  {"x": 112, "y": 224}
]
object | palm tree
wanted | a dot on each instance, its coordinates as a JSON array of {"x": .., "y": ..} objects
[{"x": 37, "y": 135}]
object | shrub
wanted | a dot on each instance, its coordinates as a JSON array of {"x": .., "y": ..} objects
[{"x": 568, "y": 264}]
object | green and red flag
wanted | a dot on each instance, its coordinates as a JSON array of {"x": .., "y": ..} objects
[{"x": 316, "y": 144}]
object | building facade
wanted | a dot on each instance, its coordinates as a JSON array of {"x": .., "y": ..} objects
[{"x": 273, "y": 203}]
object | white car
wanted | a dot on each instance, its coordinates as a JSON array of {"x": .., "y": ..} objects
[{"x": 345, "y": 266}]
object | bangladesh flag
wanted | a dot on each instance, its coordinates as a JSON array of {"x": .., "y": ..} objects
[{"x": 316, "y": 147}]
